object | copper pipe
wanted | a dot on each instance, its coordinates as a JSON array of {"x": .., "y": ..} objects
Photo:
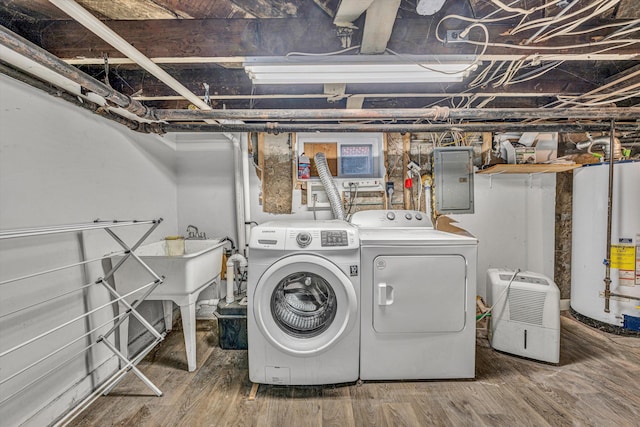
[
  {"x": 613, "y": 294},
  {"x": 607, "y": 260}
]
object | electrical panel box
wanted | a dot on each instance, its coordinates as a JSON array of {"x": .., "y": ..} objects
[{"x": 453, "y": 179}]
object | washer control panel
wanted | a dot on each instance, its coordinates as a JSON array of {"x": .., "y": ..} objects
[
  {"x": 334, "y": 238},
  {"x": 328, "y": 239},
  {"x": 328, "y": 235},
  {"x": 391, "y": 218}
]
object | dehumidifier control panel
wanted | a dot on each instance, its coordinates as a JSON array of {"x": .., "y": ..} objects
[{"x": 524, "y": 279}]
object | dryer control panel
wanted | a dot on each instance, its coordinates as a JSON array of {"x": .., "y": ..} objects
[{"x": 391, "y": 218}]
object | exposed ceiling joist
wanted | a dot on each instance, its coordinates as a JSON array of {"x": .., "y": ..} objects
[
  {"x": 141, "y": 9},
  {"x": 244, "y": 37},
  {"x": 628, "y": 9}
]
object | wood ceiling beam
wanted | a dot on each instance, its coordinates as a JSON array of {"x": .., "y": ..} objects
[
  {"x": 236, "y": 82},
  {"x": 251, "y": 37},
  {"x": 139, "y": 9}
]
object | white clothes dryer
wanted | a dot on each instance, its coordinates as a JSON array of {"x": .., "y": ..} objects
[
  {"x": 303, "y": 303},
  {"x": 418, "y": 291}
]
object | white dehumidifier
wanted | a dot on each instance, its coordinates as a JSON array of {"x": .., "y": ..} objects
[{"x": 525, "y": 319}]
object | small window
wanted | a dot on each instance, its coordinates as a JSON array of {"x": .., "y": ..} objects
[
  {"x": 356, "y": 160},
  {"x": 348, "y": 155}
]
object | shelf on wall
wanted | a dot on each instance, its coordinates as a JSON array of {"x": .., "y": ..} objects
[{"x": 528, "y": 168}]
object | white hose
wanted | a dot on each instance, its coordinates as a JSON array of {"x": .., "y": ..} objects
[{"x": 329, "y": 186}]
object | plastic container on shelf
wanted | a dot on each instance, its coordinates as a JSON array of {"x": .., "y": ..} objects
[{"x": 304, "y": 167}]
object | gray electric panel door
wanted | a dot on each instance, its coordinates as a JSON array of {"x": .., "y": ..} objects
[{"x": 453, "y": 179}]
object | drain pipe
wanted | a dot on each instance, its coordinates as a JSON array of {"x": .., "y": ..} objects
[
  {"x": 233, "y": 259},
  {"x": 239, "y": 193},
  {"x": 50, "y": 87},
  {"x": 607, "y": 260},
  {"x": 244, "y": 149},
  {"x": 24, "y": 48}
]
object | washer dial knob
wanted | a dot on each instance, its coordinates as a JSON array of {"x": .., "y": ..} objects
[
  {"x": 303, "y": 239},
  {"x": 391, "y": 216},
  {"x": 419, "y": 217},
  {"x": 408, "y": 216}
]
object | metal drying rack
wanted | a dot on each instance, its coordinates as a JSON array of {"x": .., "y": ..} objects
[{"x": 126, "y": 364}]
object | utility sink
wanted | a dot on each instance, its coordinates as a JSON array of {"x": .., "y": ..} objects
[{"x": 185, "y": 276}]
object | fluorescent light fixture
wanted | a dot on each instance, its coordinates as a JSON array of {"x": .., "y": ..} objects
[{"x": 354, "y": 69}]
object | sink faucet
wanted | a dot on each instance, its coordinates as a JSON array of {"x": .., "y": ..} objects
[{"x": 192, "y": 233}]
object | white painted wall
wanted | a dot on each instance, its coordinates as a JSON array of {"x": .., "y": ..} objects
[
  {"x": 206, "y": 193},
  {"x": 514, "y": 221},
  {"x": 58, "y": 165}
]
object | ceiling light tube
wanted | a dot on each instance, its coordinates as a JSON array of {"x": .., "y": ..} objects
[
  {"x": 322, "y": 78},
  {"x": 357, "y": 70}
]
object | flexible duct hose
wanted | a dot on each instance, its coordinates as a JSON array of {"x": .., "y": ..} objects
[
  {"x": 329, "y": 186},
  {"x": 605, "y": 142}
]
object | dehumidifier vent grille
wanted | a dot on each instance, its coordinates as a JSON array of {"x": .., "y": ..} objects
[{"x": 526, "y": 305}]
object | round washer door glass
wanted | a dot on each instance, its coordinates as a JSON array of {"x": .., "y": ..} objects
[{"x": 304, "y": 304}]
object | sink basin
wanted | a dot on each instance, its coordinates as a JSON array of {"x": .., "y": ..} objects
[{"x": 185, "y": 276}]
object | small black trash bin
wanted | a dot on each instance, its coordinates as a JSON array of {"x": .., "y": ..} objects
[{"x": 232, "y": 325}]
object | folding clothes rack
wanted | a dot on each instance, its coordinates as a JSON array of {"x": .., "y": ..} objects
[{"x": 126, "y": 364}]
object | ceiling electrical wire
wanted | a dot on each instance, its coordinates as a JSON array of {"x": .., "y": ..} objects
[
  {"x": 566, "y": 25},
  {"x": 336, "y": 52}
]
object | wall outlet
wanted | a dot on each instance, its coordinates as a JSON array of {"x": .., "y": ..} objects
[{"x": 453, "y": 36}]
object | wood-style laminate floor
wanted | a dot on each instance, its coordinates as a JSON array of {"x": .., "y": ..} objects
[{"x": 597, "y": 383}]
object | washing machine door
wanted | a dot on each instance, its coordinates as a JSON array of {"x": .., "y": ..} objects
[{"x": 304, "y": 304}]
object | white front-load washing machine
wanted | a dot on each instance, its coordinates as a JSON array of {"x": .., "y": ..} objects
[
  {"x": 418, "y": 290},
  {"x": 303, "y": 303}
]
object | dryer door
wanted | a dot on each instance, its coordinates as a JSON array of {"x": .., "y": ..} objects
[
  {"x": 304, "y": 304},
  {"x": 419, "y": 294}
]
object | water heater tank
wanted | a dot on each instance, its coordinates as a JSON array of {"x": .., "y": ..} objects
[{"x": 589, "y": 235}]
